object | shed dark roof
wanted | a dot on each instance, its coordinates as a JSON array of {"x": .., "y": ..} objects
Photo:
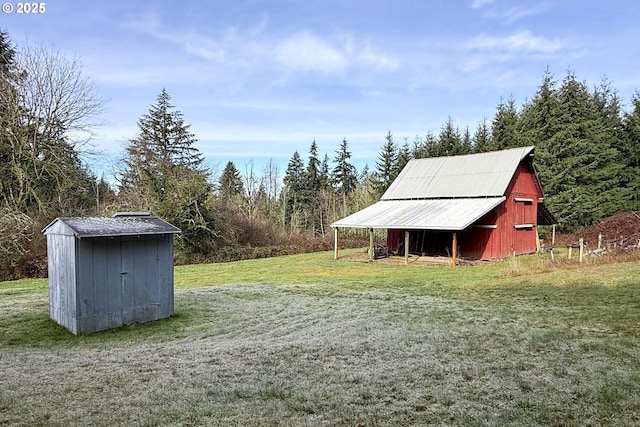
[{"x": 110, "y": 227}]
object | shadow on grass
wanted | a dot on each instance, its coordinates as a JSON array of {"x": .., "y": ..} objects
[{"x": 38, "y": 330}]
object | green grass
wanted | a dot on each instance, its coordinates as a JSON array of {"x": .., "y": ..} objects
[{"x": 306, "y": 341}]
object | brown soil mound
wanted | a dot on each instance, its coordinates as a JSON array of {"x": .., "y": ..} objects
[{"x": 621, "y": 229}]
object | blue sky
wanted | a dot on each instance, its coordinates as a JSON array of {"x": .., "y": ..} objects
[{"x": 258, "y": 80}]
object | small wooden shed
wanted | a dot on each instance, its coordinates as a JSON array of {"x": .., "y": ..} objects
[{"x": 109, "y": 272}]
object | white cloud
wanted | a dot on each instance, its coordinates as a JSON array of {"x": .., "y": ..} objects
[
  {"x": 375, "y": 93},
  {"x": 306, "y": 52},
  {"x": 515, "y": 14},
  {"x": 377, "y": 59},
  {"x": 193, "y": 43},
  {"x": 243, "y": 50},
  {"x": 523, "y": 42},
  {"x": 476, "y": 4},
  {"x": 203, "y": 47}
]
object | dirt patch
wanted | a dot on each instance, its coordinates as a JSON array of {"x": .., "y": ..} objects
[
  {"x": 413, "y": 259},
  {"x": 621, "y": 230}
]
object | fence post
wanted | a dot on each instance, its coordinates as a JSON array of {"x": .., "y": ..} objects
[
  {"x": 454, "y": 251},
  {"x": 581, "y": 248},
  {"x": 570, "y": 250},
  {"x": 406, "y": 247},
  {"x": 371, "y": 248}
]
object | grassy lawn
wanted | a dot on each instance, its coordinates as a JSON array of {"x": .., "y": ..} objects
[{"x": 306, "y": 341}]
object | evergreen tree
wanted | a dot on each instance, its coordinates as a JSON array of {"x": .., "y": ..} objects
[
  {"x": 386, "y": 166},
  {"x": 312, "y": 176},
  {"x": 630, "y": 152},
  {"x": 164, "y": 150},
  {"x": 467, "y": 145},
  {"x": 7, "y": 103},
  {"x": 311, "y": 187},
  {"x": 230, "y": 182},
  {"x": 608, "y": 136},
  {"x": 7, "y": 55},
  {"x": 404, "y": 155},
  {"x": 105, "y": 193},
  {"x": 428, "y": 147},
  {"x": 344, "y": 174},
  {"x": 364, "y": 176},
  {"x": 294, "y": 173},
  {"x": 578, "y": 165},
  {"x": 323, "y": 174},
  {"x": 540, "y": 121},
  {"x": 540, "y": 117},
  {"x": 449, "y": 141},
  {"x": 504, "y": 130},
  {"x": 292, "y": 192},
  {"x": 164, "y": 173},
  {"x": 482, "y": 138}
]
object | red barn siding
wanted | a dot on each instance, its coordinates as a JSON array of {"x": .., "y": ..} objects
[
  {"x": 495, "y": 235},
  {"x": 506, "y": 239}
]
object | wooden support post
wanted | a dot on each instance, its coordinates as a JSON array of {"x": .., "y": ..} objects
[
  {"x": 600, "y": 241},
  {"x": 406, "y": 247},
  {"x": 454, "y": 250},
  {"x": 581, "y": 248},
  {"x": 335, "y": 243},
  {"x": 553, "y": 235},
  {"x": 570, "y": 250},
  {"x": 371, "y": 251}
]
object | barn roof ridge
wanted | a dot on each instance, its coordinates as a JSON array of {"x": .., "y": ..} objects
[{"x": 463, "y": 176}]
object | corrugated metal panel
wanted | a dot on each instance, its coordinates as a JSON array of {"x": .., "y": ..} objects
[
  {"x": 441, "y": 214},
  {"x": 106, "y": 227},
  {"x": 473, "y": 175}
]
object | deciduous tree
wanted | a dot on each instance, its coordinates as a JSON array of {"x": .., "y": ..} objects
[{"x": 49, "y": 112}]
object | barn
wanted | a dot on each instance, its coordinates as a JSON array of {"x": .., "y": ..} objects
[
  {"x": 478, "y": 206},
  {"x": 109, "y": 272}
]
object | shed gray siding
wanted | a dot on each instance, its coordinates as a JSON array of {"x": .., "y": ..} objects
[
  {"x": 62, "y": 280},
  {"x": 102, "y": 282}
]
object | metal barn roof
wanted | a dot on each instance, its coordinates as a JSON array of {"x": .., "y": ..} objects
[
  {"x": 109, "y": 227},
  {"x": 440, "y": 214},
  {"x": 471, "y": 175}
]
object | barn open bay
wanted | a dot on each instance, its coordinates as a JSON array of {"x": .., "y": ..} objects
[{"x": 304, "y": 340}]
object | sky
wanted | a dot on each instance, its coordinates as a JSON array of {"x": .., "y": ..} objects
[{"x": 258, "y": 80}]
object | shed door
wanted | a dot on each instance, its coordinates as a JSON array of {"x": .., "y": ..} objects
[{"x": 140, "y": 280}]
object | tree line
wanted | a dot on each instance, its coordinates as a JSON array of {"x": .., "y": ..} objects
[{"x": 587, "y": 157}]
